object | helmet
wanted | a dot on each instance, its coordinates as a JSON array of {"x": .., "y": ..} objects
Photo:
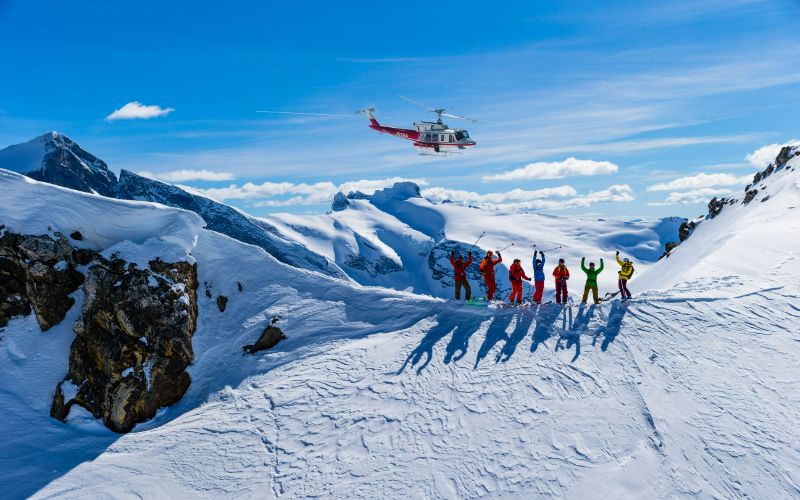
[{"x": 626, "y": 259}]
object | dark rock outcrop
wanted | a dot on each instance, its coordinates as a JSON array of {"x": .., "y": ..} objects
[
  {"x": 715, "y": 206},
  {"x": 38, "y": 272},
  {"x": 133, "y": 342},
  {"x": 222, "y": 303},
  {"x": 269, "y": 338},
  {"x": 685, "y": 230},
  {"x": 749, "y": 195},
  {"x": 340, "y": 202}
]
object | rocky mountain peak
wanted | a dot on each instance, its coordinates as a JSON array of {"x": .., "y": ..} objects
[{"x": 57, "y": 159}]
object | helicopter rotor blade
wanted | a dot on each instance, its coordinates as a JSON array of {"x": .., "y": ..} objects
[
  {"x": 304, "y": 114},
  {"x": 457, "y": 117},
  {"x": 425, "y": 106}
]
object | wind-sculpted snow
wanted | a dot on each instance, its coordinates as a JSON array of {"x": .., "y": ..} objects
[{"x": 135, "y": 231}]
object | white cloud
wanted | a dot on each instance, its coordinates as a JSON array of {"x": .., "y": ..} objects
[
  {"x": 300, "y": 194},
  {"x": 185, "y": 175},
  {"x": 135, "y": 109},
  {"x": 702, "y": 195},
  {"x": 439, "y": 194},
  {"x": 701, "y": 180},
  {"x": 763, "y": 156},
  {"x": 559, "y": 198},
  {"x": 571, "y": 167}
]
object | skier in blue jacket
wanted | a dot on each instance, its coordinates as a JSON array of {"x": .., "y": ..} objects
[{"x": 538, "y": 277}]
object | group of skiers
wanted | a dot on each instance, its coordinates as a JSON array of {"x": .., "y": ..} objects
[{"x": 516, "y": 274}]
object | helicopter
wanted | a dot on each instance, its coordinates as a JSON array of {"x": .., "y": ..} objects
[{"x": 426, "y": 136}]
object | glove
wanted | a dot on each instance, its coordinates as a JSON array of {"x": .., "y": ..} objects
[
  {"x": 470, "y": 253},
  {"x": 452, "y": 254},
  {"x": 529, "y": 279},
  {"x": 617, "y": 252}
]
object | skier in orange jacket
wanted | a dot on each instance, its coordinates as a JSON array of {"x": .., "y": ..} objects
[
  {"x": 516, "y": 274},
  {"x": 561, "y": 274},
  {"x": 487, "y": 269}
]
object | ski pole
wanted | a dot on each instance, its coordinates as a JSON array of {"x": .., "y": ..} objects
[
  {"x": 507, "y": 246},
  {"x": 550, "y": 250},
  {"x": 479, "y": 239}
]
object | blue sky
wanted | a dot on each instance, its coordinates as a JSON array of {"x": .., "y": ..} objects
[{"x": 660, "y": 103}]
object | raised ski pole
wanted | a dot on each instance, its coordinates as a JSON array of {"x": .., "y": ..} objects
[
  {"x": 507, "y": 246},
  {"x": 550, "y": 250},
  {"x": 479, "y": 239}
]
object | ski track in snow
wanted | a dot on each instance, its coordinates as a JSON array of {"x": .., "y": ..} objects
[{"x": 497, "y": 404}]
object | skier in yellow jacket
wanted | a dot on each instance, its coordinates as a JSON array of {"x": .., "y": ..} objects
[{"x": 624, "y": 275}]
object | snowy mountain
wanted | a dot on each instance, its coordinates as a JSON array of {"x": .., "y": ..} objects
[
  {"x": 226, "y": 220},
  {"x": 56, "y": 159},
  {"x": 688, "y": 390},
  {"x": 397, "y": 239}
]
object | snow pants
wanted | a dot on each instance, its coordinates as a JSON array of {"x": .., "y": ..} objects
[
  {"x": 490, "y": 285},
  {"x": 586, "y": 294},
  {"x": 538, "y": 291},
  {"x": 467, "y": 289},
  {"x": 561, "y": 291},
  {"x": 623, "y": 289},
  {"x": 516, "y": 291}
]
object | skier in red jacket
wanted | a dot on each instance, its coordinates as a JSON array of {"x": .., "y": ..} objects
[
  {"x": 516, "y": 274},
  {"x": 487, "y": 269},
  {"x": 460, "y": 274},
  {"x": 561, "y": 274}
]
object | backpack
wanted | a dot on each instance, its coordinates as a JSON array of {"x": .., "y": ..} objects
[
  {"x": 631, "y": 276},
  {"x": 483, "y": 263}
]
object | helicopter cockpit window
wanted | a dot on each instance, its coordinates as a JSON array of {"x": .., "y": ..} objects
[
  {"x": 466, "y": 135},
  {"x": 459, "y": 135}
]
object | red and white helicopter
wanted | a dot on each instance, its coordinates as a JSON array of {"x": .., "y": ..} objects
[{"x": 427, "y": 137}]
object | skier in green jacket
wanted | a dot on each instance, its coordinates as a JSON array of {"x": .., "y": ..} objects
[{"x": 591, "y": 279}]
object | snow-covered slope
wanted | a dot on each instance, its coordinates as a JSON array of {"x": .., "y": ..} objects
[
  {"x": 747, "y": 247},
  {"x": 226, "y": 220},
  {"x": 398, "y": 239},
  {"x": 379, "y": 393}
]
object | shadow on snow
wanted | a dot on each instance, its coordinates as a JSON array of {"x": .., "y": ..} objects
[{"x": 507, "y": 327}]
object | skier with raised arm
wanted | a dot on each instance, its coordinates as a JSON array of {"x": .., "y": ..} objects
[
  {"x": 591, "y": 280},
  {"x": 487, "y": 269},
  {"x": 625, "y": 274},
  {"x": 515, "y": 275},
  {"x": 561, "y": 274},
  {"x": 460, "y": 274},
  {"x": 538, "y": 277}
]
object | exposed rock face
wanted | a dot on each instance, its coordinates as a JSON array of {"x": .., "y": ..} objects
[
  {"x": 222, "y": 303},
  {"x": 715, "y": 206},
  {"x": 56, "y": 159},
  {"x": 686, "y": 229},
  {"x": 38, "y": 272},
  {"x": 133, "y": 343},
  {"x": 340, "y": 202},
  {"x": 269, "y": 338},
  {"x": 748, "y": 196}
]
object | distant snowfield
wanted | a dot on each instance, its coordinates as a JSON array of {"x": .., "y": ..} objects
[{"x": 690, "y": 389}]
